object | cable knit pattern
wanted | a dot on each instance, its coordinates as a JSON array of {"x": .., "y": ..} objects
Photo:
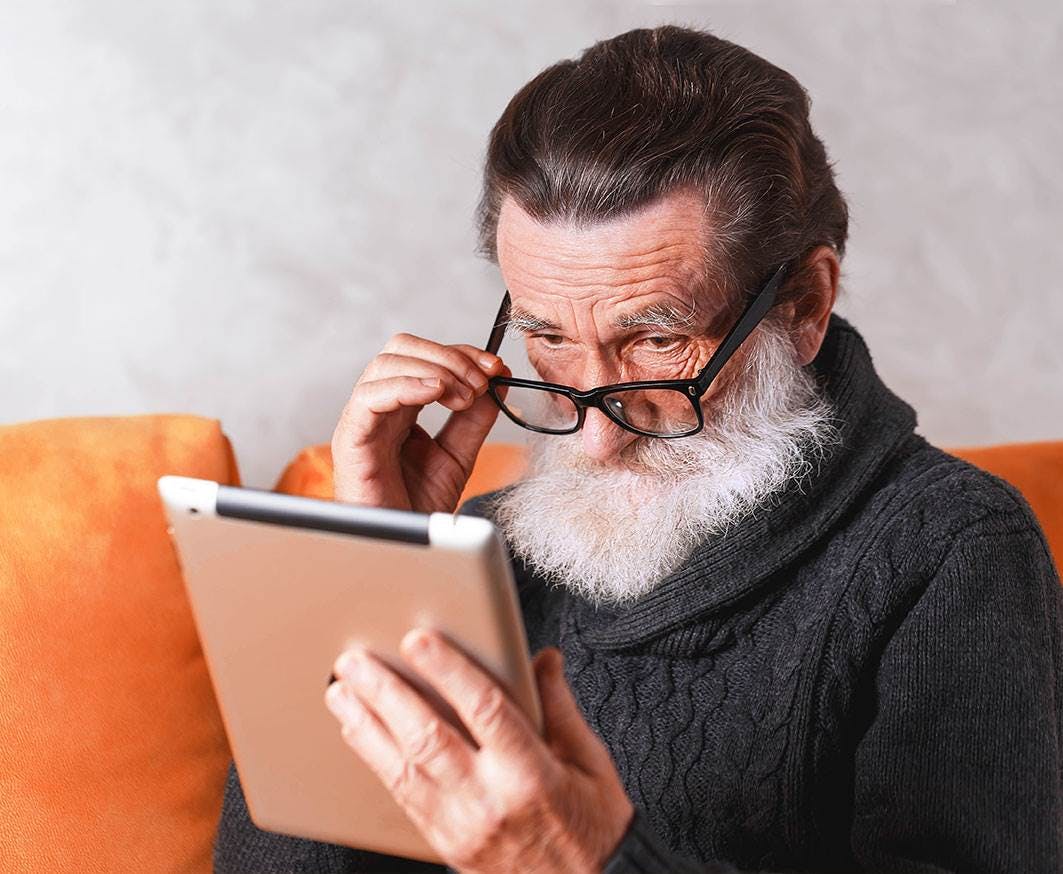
[{"x": 865, "y": 676}]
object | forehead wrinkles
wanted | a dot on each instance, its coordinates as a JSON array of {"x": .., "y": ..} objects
[
  {"x": 608, "y": 294},
  {"x": 552, "y": 288},
  {"x": 583, "y": 268},
  {"x": 664, "y": 241},
  {"x": 580, "y": 259}
]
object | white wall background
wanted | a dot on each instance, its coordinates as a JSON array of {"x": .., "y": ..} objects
[{"x": 226, "y": 206}]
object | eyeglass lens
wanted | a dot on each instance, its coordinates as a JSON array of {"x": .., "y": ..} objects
[
  {"x": 656, "y": 411},
  {"x": 663, "y": 412}
]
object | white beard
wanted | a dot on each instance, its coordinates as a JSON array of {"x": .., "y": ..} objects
[{"x": 612, "y": 532}]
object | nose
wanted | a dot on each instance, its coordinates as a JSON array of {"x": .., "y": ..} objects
[{"x": 603, "y": 440}]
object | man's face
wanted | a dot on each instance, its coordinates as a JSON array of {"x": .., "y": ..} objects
[
  {"x": 612, "y": 302},
  {"x": 606, "y": 512}
]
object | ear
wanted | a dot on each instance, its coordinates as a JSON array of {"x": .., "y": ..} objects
[{"x": 810, "y": 314}]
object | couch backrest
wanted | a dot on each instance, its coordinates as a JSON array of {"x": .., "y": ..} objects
[
  {"x": 112, "y": 752},
  {"x": 1035, "y": 469}
]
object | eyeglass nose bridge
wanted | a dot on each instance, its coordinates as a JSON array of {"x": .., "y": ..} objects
[
  {"x": 591, "y": 399},
  {"x": 597, "y": 399},
  {"x": 588, "y": 400}
]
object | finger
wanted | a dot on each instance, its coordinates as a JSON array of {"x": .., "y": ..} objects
[
  {"x": 387, "y": 365},
  {"x": 424, "y": 739},
  {"x": 362, "y": 731},
  {"x": 489, "y": 362},
  {"x": 368, "y": 737},
  {"x": 487, "y": 711},
  {"x": 566, "y": 731},
  {"x": 366, "y": 413},
  {"x": 464, "y": 366},
  {"x": 464, "y": 432}
]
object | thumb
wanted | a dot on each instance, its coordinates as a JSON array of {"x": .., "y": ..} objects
[
  {"x": 465, "y": 431},
  {"x": 566, "y": 732}
]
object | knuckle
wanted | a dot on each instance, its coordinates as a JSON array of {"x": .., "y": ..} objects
[
  {"x": 381, "y": 684},
  {"x": 378, "y": 363},
  {"x": 530, "y": 792},
  {"x": 345, "y": 437},
  {"x": 351, "y": 424},
  {"x": 458, "y": 361},
  {"x": 489, "y": 708},
  {"x": 438, "y": 371},
  {"x": 427, "y": 744},
  {"x": 354, "y": 404},
  {"x": 399, "y": 781},
  {"x": 393, "y": 344}
]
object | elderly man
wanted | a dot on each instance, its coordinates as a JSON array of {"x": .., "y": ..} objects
[{"x": 775, "y": 628}]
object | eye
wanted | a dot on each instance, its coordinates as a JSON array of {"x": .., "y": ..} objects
[
  {"x": 550, "y": 339},
  {"x": 661, "y": 343}
]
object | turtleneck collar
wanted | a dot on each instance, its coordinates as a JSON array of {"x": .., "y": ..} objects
[{"x": 873, "y": 425}]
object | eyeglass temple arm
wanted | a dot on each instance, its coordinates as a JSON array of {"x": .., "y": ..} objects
[
  {"x": 748, "y": 321},
  {"x": 499, "y": 330}
]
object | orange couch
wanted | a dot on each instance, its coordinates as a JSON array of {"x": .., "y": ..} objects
[{"x": 112, "y": 752}]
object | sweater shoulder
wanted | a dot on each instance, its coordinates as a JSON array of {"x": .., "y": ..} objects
[
  {"x": 934, "y": 496},
  {"x": 930, "y": 504}
]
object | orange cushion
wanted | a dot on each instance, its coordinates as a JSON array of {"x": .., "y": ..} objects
[
  {"x": 1035, "y": 469},
  {"x": 310, "y": 472},
  {"x": 112, "y": 752}
]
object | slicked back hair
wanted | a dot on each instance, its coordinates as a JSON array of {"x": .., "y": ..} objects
[{"x": 657, "y": 111}]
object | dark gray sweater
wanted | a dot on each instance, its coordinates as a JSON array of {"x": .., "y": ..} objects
[{"x": 867, "y": 676}]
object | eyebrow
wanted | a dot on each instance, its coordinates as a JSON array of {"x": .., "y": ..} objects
[
  {"x": 522, "y": 322},
  {"x": 658, "y": 315}
]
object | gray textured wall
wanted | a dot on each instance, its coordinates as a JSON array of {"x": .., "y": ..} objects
[{"x": 226, "y": 206}]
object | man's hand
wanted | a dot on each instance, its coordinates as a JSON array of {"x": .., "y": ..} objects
[
  {"x": 382, "y": 457},
  {"x": 518, "y": 802}
]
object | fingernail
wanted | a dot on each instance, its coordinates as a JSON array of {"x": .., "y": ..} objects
[
  {"x": 349, "y": 664},
  {"x": 421, "y": 644},
  {"x": 464, "y": 391},
  {"x": 431, "y": 383},
  {"x": 476, "y": 379},
  {"x": 487, "y": 361}
]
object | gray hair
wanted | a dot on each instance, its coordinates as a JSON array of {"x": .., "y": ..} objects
[{"x": 655, "y": 111}]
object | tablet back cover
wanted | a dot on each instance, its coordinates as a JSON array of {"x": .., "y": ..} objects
[{"x": 274, "y": 607}]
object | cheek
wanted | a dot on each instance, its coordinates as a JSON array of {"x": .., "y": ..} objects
[
  {"x": 552, "y": 365},
  {"x": 729, "y": 378},
  {"x": 685, "y": 363},
  {"x": 697, "y": 356}
]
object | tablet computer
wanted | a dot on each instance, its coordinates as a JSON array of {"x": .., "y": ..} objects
[{"x": 279, "y": 585}]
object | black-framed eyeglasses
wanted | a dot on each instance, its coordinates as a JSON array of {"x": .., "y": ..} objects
[{"x": 667, "y": 408}]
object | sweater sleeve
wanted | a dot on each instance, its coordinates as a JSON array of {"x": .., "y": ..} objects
[
  {"x": 961, "y": 766},
  {"x": 640, "y": 851},
  {"x": 961, "y": 769}
]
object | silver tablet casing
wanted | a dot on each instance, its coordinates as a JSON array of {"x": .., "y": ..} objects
[{"x": 279, "y": 585}]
